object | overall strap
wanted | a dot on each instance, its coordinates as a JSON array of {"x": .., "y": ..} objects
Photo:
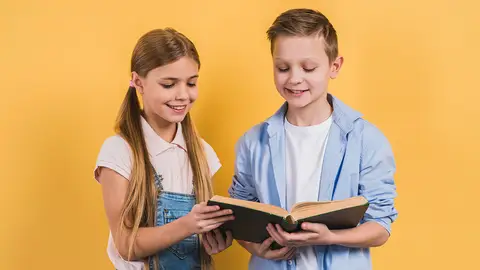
[{"x": 159, "y": 179}]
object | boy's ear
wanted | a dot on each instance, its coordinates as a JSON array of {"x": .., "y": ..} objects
[
  {"x": 335, "y": 67},
  {"x": 137, "y": 82}
]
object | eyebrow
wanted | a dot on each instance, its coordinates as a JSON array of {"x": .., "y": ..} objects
[{"x": 176, "y": 79}]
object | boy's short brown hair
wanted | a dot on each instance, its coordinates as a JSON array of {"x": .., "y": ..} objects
[{"x": 305, "y": 22}]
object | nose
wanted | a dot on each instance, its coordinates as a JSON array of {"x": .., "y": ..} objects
[
  {"x": 182, "y": 92},
  {"x": 295, "y": 76}
]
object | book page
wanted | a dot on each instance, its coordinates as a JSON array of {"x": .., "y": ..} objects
[
  {"x": 308, "y": 209},
  {"x": 267, "y": 208}
]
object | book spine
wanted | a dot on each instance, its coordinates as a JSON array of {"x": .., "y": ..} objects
[{"x": 289, "y": 224}]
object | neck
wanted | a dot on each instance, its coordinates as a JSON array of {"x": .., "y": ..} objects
[
  {"x": 166, "y": 130},
  {"x": 313, "y": 114}
]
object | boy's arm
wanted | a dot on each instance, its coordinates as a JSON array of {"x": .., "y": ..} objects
[
  {"x": 242, "y": 186},
  {"x": 377, "y": 186}
]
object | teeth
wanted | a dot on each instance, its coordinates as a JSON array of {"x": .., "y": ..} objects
[
  {"x": 177, "y": 107},
  {"x": 296, "y": 91}
]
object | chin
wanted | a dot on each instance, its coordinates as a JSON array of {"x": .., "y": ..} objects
[
  {"x": 298, "y": 103},
  {"x": 176, "y": 119}
]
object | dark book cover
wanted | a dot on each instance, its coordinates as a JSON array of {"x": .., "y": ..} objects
[{"x": 251, "y": 225}]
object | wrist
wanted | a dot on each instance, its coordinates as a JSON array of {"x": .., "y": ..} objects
[
  {"x": 334, "y": 238},
  {"x": 184, "y": 225}
]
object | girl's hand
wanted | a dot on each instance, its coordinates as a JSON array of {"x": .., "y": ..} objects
[
  {"x": 214, "y": 242},
  {"x": 203, "y": 218}
]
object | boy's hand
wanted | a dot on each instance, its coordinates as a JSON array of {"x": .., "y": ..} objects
[
  {"x": 214, "y": 242},
  {"x": 313, "y": 234},
  {"x": 263, "y": 250}
]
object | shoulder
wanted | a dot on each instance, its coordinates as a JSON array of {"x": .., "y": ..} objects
[
  {"x": 212, "y": 158},
  {"x": 115, "y": 145},
  {"x": 371, "y": 135},
  {"x": 255, "y": 135},
  {"x": 115, "y": 141},
  {"x": 115, "y": 154},
  {"x": 375, "y": 146}
]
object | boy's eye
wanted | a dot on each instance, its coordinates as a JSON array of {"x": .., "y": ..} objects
[
  {"x": 282, "y": 69},
  {"x": 167, "y": 86},
  {"x": 309, "y": 69}
]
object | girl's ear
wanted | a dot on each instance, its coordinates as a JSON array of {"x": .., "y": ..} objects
[
  {"x": 335, "y": 67},
  {"x": 137, "y": 82}
]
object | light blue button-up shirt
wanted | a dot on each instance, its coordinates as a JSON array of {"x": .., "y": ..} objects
[{"x": 358, "y": 162}]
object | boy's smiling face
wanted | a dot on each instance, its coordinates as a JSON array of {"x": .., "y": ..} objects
[{"x": 302, "y": 69}]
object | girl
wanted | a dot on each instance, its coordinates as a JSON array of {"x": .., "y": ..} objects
[{"x": 155, "y": 173}]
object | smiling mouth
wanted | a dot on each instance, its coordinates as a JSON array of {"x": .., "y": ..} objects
[
  {"x": 296, "y": 92},
  {"x": 177, "y": 108}
]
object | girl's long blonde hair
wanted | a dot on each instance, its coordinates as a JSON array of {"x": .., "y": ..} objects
[{"x": 157, "y": 48}]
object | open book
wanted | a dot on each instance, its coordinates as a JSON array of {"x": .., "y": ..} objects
[{"x": 252, "y": 218}]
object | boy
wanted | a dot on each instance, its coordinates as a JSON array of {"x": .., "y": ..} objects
[{"x": 315, "y": 148}]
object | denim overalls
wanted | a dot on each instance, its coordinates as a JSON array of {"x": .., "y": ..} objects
[{"x": 171, "y": 206}]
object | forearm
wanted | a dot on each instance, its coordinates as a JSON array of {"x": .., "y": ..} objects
[
  {"x": 150, "y": 240},
  {"x": 369, "y": 234}
]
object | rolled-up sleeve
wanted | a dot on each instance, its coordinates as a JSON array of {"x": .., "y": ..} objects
[
  {"x": 242, "y": 187},
  {"x": 376, "y": 178}
]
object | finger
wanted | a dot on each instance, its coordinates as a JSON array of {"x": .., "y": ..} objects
[
  {"x": 287, "y": 237},
  {"x": 211, "y": 227},
  {"x": 281, "y": 231},
  {"x": 218, "y": 219},
  {"x": 229, "y": 239},
  {"x": 276, "y": 235},
  {"x": 279, "y": 253},
  {"x": 307, "y": 226},
  {"x": 293, "y": 254},
  {"x": 213, "y": 243},
  {"x": 266, "y": 245},
  {"x": 215, "y": 214},
  {"x": 206, "y": 245},
  {"x": 204, "y": 208},
  {"x": 219, "y": 239},
  {"x": 301, "y": 236},
  {"x": 290, "y": 254}
]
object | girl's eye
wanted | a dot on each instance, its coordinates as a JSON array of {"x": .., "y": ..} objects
[
  {"x": 167, "y": 86},
  {"x": 191, "y": 84}
]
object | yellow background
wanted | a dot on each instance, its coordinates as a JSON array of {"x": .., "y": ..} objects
[{"x": 410, "y": 66}]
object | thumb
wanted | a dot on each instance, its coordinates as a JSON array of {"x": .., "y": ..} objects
[{"x": 314, "y": 227}]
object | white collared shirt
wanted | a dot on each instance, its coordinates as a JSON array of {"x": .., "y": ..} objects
[{"x": 170, "y": 160}]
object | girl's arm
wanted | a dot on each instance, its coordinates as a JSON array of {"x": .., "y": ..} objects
[{"x": 150, "y": 240}]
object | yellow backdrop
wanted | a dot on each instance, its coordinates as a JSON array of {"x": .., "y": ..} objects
[{"x": 410, "y": 66}]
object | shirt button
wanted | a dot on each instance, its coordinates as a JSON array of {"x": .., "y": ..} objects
[{"x": 289, "y": 262}]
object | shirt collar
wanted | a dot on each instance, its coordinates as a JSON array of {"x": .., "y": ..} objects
[
  {"x": 342, "y": 115},
  {"x": 155, "y": 144}
]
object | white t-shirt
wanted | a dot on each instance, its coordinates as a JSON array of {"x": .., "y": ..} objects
[
  {"x": 305, "y": 148},
  {"x": 169, "y": 159}
]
